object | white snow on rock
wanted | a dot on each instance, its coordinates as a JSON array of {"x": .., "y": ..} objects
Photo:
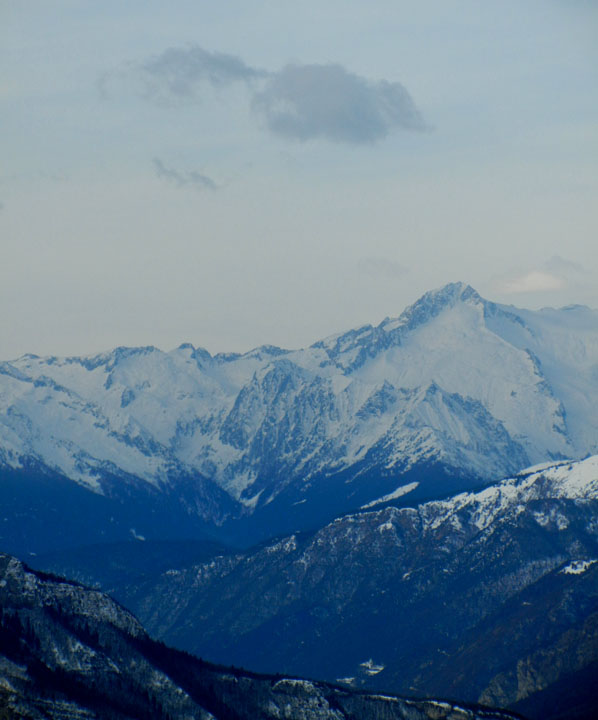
[
  {"x": 371, "y": 668},
  {"x": 572, "y": 481},
  {"x": 578, "y": 566},
  {"x": 399, "y": 492},
  {"x": 479, "y": 387},
  {"x": 346, "y": 680}
]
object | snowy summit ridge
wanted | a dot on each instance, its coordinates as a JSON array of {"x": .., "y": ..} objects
[{"x": 458, "y": 382}]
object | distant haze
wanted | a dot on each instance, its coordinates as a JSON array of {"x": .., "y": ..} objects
[{"x": 234, "y": 174}]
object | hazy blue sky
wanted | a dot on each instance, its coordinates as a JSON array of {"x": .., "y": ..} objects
[{"x": 239, "y": 173}]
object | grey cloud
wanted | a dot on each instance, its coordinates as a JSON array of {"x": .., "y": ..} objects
[
  {"x": 299, "y": 102},
  {"x": 192, "y": 177},
  {"x": 327, "y": 101},
  {"x": 179, "y": 73}
]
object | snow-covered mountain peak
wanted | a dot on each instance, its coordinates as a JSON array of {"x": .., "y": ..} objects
[
  {"x": 350, "y": 349},
  {"x": 434, "y": 302},
  {"x": 480, "y": 388}
]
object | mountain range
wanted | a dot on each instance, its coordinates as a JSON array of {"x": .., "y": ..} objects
[
  {"x": 339, "y": 511},
  {"x": 489, "y": 596},
  {"x": 137, "y": 442},
  {"x": 68, "y": 652}
]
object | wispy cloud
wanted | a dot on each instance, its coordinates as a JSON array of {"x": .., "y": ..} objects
[
  {"x": 180, "y": 73},
  {"x": 298, "y": 102},
  {"x": 327, "y": 101},
  {"x": 181, "y": 179}
]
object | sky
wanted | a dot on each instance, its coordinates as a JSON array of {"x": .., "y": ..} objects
[{"x": 243, "y": 173}]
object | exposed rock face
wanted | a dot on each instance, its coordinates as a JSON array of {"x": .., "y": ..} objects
[
  {"x": 69, "y": 652},
  {"x": 455, "y": 391},
  {"x": 491, "y": 596}
]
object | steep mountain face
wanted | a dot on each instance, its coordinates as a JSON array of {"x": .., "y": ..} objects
[
  {"x": 454, "y": 391},
  {"x": 490, "y": 596},
  {"x": 68, "y": 652}
]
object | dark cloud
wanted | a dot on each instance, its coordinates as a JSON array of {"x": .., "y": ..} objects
[
  {"x": 179, "y": 73},
  {"x": 192, "y": 177},
  {"x": 327, "y": 101}
]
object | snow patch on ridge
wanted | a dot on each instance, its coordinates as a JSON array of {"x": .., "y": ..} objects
[
  {"x": 577, "y": 567},
  {"x": 399, "y": 492}
]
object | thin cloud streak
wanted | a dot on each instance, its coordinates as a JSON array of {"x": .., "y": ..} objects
[{"x": 180, "y": 179}]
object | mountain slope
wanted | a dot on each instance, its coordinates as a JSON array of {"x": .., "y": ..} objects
[
  {"x": 68, "y": 652},
  {"x": 455, "y": 391},
  {"x": 490, "y": 596}
]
